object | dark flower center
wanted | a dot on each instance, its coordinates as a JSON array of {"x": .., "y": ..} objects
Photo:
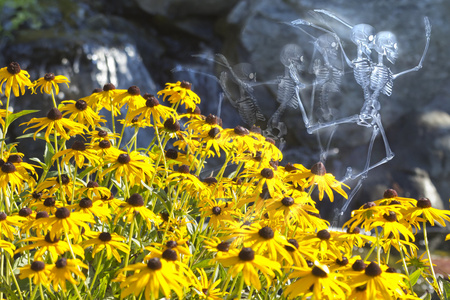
[
  {"x": 171, "y": 244},
  {"x": 3, "y": 216},
  {"x": 390, "y": 217},
  {"x": 54, "y": 114},
  {"x": 62, "y": 213},
  {"x": 172, "y": 125},
  {"x": 358, "y": 265},
  {"x": 216, "y": 210},
  {"x": 81, "y": 105},
  {"x": 154, "y": 264},
  {"x": 25, "y": 212},
  {"x": 102, "y": 133},
  {"x": 136, "y": 200},
  {"x": 239, "y": 130},
  {"x": 318, "y": 272},
  {"x": 172, "y": 154},
  {"x": 14, "y": 158},
  {"x": 64, "y": 179},
  {"x": 97, "y": 90},
  {"x": 183, "y": 169},
  {"x": 290, "y": 167},
  {"x": 390, "y": 193},
  {"x": 369, "y": 205},
  {"x": 151, "y": 100},
  {"x": 124, "y": 158},
  {"x": 356, "y": 230},
  {"x": 195, "y": 111},
  {"x": 212, "y": 119},
  {"x": 85, "y": 203},
  {"x": 422, "y": 202},
  {"x": 134, "y": 90},
  {"x": 48, "y": 239},
  {"x": 210, "y": 180},
  {"x": 92, "y": 184},
  {"x": 391, "y": 270},
  {"x": 8, "y": 167},
  {"x": 294, "y": 243},
  {"x": 105, "y": 237},
  {"x": 323, "y": 234},
  {"x": 109, "y": 87},
  {"x": 267, "y": 173},
  {"x": 49, "y": 76},
  {"x": 186, "y": 85},
  {"x": 41, "y": 214},
  {"x": 266, "y": 233},
  {"x": 342, "y": 262},
  {"x": 61, "y": 263},
  {"x": 50, "y": 202},
  {"x": 170, "y": 255},
  {"x": 287, "y": 201},
  {"x": 256, "y": 129},
  {"x": 373, "y": 269},
  {"x": 213, "y": 132},
  {"x": 37, "y": 266},
  {"x": 78, "y": 146},
  {"x": 13, "y": 68},
  {"x": 36, "y": 195},
  {"x": 318, "y": 169},
  {"x": 104, "y": 144},
  {"x": 223, "y": 246},
  {"x": 247, "y": 254}
]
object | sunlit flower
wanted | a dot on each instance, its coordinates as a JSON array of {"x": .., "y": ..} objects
[
  {"x": 94, "y": 209},
  {"x": 53, "y": 185},
  {"x": 152, "y": 112},
  {"x": 62, "y": 271},
  {"x": 38, "y": 271},
  {"x": 249, "y": 263},
  {"x": 49, "y": 204},
  {"x": 132, "y": 98},
  {"x": 105, "y": 240},
  {"x": 80, "y": 153},
  {"x": 8, "y": 225},
  {"x": 55, "y": 123},
  {"x": 135, "y": 206},
  {"x": 217, "y": 211},
  {"x": 104, "y": 98},
  {"x": 13, "y": 178},
  {"x": 424, "y": 212},
  {"x": 7, "y": 246},
  {"x": 81, "y": 112},
  {"x": 181, "y": 93},
  {"x": 50, "y": 81},
  {"x": 206, "y": 289},
  {"x": 44, "y": 244},
  {"x": 94, "y": 191},
  {"x": 15, "y": 78},
  {"x": 156, "y": 276},
  {"x": 266, "y": 177},
  {"x": 326, "y": 243}
]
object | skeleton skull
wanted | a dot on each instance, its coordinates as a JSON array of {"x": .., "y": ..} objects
[
  {"x": 386, "y": 44},
  {"x": 363, "y": 36}
]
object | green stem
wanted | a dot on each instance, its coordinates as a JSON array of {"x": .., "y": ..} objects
[
  {"x": 33, "y": 294},
  {"x": 97, "y": 269},
  {"x": 241, "y": 287},
  {"x": 14, "y": 278},
  {"x": 427, "y": 247},
  {"x": 5, "y": 128},
  {"x": 405, "y": 266},
  {"x": 41, "y": 292},
  {"x": 130, "y": 237}
]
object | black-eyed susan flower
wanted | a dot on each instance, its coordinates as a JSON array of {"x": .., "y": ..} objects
[
  {"x": 65, "y": 222},
  {"x": 393, "y": 223},
  {"x": 218, "y": 211},
  {"x": 94, "y": 191},
  {"x": 49, "y": 204},
  {"x": 266, "y": 177},
  {"x": 156, "y": 276},
  {"x": 46, "y": 245},
  {"x": 49, "y": 82},
  {"x": 15, "y": 79},
  {"x": 38, "y": 271},
  {"x": 62, "y": 271},
  {"x": 424, "y": 212},
  {"x": 82, "y": 113},
  {"x": 153, "y": 112},
  {"x": 216, "y": 245},
  {"x": 102, "y": 134},
  {"x": 249, "y": 263},
  {"x": 111, "y": 242},
  {"x": 9, "y": 225},
  {"x": 326, "y": 243},
  {"x": 94, "y": 209},
  {"x": 207, "y": 289},
  {"x": 12, "y": 178},
  {"x": 317, "y": 281},
  {"x": 54, "y": 184},
  {"x": 132, "y": 98},
  {"x": 132, "y": 167},
  {"x": 238, "y": 140},
  {"x": 135, "y": 206},
  {"x": 104, "y": 98},
  {"x": 55, "y": 123},
  {"x": 180, "y": 93},
  {"x": 378, "y": 279},
  {"x": 110, "y": 201},
  {"x": 184, "y": 179}
]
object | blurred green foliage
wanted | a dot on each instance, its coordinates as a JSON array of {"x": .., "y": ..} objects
[{"x": 18, "y": 13}]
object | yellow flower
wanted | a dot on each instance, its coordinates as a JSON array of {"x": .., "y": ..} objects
[
  {"x": 105, "y": 240},
  {"x": 80, "y": 153},
  {"x": 155, "y": 276},
  {"x": 38, "y": 271},
  {"x": 132, "y": 98},
  {"x": 151, "y": 112},
  {"x": 54, "y": 122},
  {"x": 135, "y": 206},
  {"x": 7, "y": 246},
  {"x": 62, "y": 270},
  {"x": 15, "y": 78},
  {"x": 94, "y": 209},
  {"x": 48, "y": 81},
  {"x": 247, "y": 262},
  {"x": 82, "y": 113},
  {"x": 207, "y": 289},
  {"x": 424, "y": 212},
  {"x": 7, "y": 224},
  {"x": 180, "y": 93},
  {"x": 104, "y": 98}
]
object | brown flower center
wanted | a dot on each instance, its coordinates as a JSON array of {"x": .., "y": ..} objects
[
  {"x": 104, "y": 144},
  {"x": 109, "y": 87},
  {"x": 267, "y": 173},
  {"x": 216, "y": 210},
  {"x": 64, "y": 179},
  {"x": 170, "y": 255},
  {"x": 78, "y": 146},
  {"x": 318, "y": 272},
  {"x": 49, "y": 77},
  {"x": 172, "y": 125},
  {"x": 105, "y": 236},
  {"x": 124, "y": 158},
  {"x": 50, "y": 202},
  {"x": 390, "y": 193},
  {"x": 81, "y": 105},
  {"x": 61, "y": 263},
  {"x": 48, "y": 239},
  {"x": 41, "y": 214},
  {"x": 13, "y": 68},
  {"x": 54, "y": 114},
  {"x": 14, "y": 158},
  {"x": 154, "y": 264},
  {"x": 136, "y": 200},
  {"x": 2, "y": 216},
  {"x": 37, "y": 266},
  {"x": 239, "y": 130},
  {"x": 358, "y": 265},
  {"x": 266, "y": 233},
  {"x": 183, "y": 169},
  {"x": 287, "y": 201},
  {"x": 390, "y": 217},
  {"x": 8, "y": 167},
  {"x": 213, "y": 132},
  {"x": 85, "y": 203},
  {"x": 223, "y": 246},
  {"x": 25, "y": 212},
  {"x": 318, "y": 169},
  {"x": 186, "y": 85},
  {"x": 134, "y": 90},
  {"x": 422, "y": 202},
  {"x": 172, "y": 154},
  {"x": 92, "y": 184},
  {"x": 171, "y": 244},
  {"x": 294, "y": 243},
  {"x": 324, "y": 235},
  {"x": 247, "y": 254},
  {"x": 373, "y": 269},
  {"x": 62, "y": 213}
]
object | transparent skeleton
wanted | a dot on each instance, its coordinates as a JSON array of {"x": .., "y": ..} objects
[{"x": 378, "y": 81}]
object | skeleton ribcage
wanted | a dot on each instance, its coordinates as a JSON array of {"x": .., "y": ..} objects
[
  {"x": 286, "y": 92},
  {"x": 249, "y": 110},
  {"x": 382, "y": 80},
  {"x": 362, "y": 70}
]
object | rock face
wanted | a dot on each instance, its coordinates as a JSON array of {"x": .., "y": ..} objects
[{"x": 139, "y": 43}]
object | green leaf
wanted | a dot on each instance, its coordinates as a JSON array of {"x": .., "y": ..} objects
[
  {"x": 204, "y": 263},
  {"x": 427, "y": 297},
  {"x": 446, "y": 285},
  {"x": 415, "y": 276},
  {"x": 48, "y": 154},
  {"x": 12, "y": 117}
]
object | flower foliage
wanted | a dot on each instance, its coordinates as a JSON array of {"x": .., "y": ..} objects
[{"x": 108, "y": 218}]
